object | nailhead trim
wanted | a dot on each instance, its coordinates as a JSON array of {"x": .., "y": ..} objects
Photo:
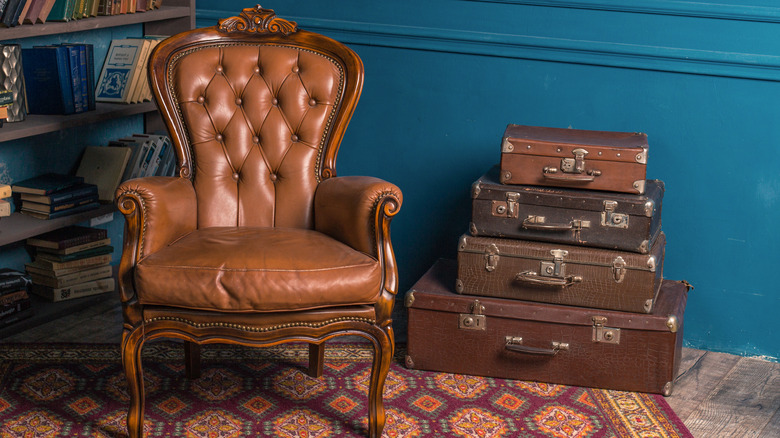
[{"x": 259, "y": 329}]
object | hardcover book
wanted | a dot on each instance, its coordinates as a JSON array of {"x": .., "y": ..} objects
[
  {"x": 5, "y": 208},
  {"x": 12, "y": 280},
  {"x": 76, "y": 291},
  {"x": 91, "y": 252},
  {"x": 13, "y": 312},
  {"x": 66, "y": 237},
  {"x": 45, "y": 11},
  {"x": 77, "y": 191},
  {"x": 79, "y": 263},
  {"x": 76, "y": 248},
  {"x": 116, "y": 78},
  {"x": 47, "y": 80},
  {"x": 51, "y": 208},
  {"x": 5, "y": 191},
  {"x": 77, "y": 62},
  {"x": 104, "y": 167},
  {"x": 91, "y": 274},
  {"x": 46, "y": 184},
  {"x": 61, "y": 213}
]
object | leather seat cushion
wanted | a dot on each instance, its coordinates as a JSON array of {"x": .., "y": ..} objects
[{"x": 257, "y": 269}]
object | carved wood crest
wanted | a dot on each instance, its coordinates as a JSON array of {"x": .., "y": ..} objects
[{"x": 257, "y": 20}]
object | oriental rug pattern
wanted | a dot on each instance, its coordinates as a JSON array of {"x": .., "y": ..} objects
[{"x": 79, "y": 390}]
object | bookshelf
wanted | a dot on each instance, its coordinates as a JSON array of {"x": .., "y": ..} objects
[{"x": 172, "y": 17}]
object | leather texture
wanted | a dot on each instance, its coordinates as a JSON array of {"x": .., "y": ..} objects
[
  {"x": 646, "y": 359},
  {"x": 600, "y": 285},
  {"x": 613, "y": 161},
  {"x": 256, "y": 241},
  {"x": 609, "y": 220}
]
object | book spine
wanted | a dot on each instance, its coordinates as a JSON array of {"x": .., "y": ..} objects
[
  {"x": 75, "y": 78},
  {"x": 12, "y": 282},
  {"x": 5, "y": 208},
  {"x": 90, "y": 261},
  {"x": 56, "y": 198},
  {"x": 76, "y": 291},
  {"x": 21, "y": 314},
  {"x": 10, "y": 309},
  {"x": 13, "y": 297},
  {"x": 66, "y": 85},
  {"x": 5, "y": 191},
  {"x": 90, "y": 54}
]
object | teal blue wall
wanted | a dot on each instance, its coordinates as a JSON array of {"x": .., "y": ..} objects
[{"x": 444, "y": 77}]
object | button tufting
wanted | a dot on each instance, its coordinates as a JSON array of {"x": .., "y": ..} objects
[
  {"x": 294, "y": 137},
  {"x": 255, "y": 139},
  {"x": 238, "y": 101},
  {"x": 218, "y": 137},
  {"x": 312, "y": 102},
  {"x": 201, "y": 99},
  {"x": 219, "y": 69},
  {"x": 235, "y": 176},
  {"x": 295, "y": 69},
  {"x": 275, "y": 101},
  {"x": 273, "y": 177},
  {"x": 257, "y": 69}
]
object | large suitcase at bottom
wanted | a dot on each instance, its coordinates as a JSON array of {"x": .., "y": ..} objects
[{"x": 505, "y": 338}]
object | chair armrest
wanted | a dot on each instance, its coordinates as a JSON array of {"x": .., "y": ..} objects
[
  {"x": 157, "y": 211},
  {"x": 357, "y": 210}
]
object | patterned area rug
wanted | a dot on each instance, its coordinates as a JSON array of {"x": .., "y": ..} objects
[{"x": 79, "y": 390}]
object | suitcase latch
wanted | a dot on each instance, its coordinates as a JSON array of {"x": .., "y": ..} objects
[
  {"x": 619, "y": 269},
  {"x": 611, "y": 219},
  {"x": 607, "y": 335},
  {"x": 474, "y": 320},
  {"x": 576, "y": 164},
  {"x": 508, "y": 208},
  {"x": 491, "y": 258},
  {"x": 556, "y": 268}
]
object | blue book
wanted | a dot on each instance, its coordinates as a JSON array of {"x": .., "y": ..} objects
[
  {"x": 76, "y": 191},
  {"x": 74, "y": 68},
  {"x": 83, "y": 75},
  {"x": 47, "y": 80},
  {"x": 46, "y": 184}
]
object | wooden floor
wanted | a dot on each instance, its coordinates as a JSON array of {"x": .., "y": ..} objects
[{"x": 716, "y": 395}]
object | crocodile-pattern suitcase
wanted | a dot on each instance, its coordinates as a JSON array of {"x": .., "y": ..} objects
[
  {"x": 523, "y": 340},
  {"x": 593, "y": 160},
  {"x": 611, "y": 220},
  {"x": 560, "y": 274}
]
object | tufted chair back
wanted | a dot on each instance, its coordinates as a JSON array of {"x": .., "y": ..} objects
[{"x": 256, "y": 112}]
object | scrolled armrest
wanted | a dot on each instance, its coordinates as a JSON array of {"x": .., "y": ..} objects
[
  {"x": 356, "y": 210},
  {"x": 157, "y": 211}
]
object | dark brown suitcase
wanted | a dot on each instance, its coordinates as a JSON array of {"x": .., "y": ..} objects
[
  {"x": 609, "y": 220},
  {"x": 593, "y": 160},
  {"x": 560, "y": 274},
  {"x": 524, "y": 340}
]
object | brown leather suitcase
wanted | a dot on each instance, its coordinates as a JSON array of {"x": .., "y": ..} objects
[
  {"x": 609, "y": 220},
  {"x": 560, "y": 274},
  {"x": 593, "y": 160},
  {"x": 530, "y": 341}
]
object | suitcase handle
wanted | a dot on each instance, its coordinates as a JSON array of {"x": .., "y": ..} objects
[
  {"x": 515, "y": 344},
  {"x": 533, "y": 223},
  {"x": 534, "y": 278},
  {"x": 552, "y": 174}
]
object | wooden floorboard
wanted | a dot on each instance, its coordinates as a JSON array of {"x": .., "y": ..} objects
[
  {"x": 716, "y": 395},
  {"x": 741, "y": 404}
]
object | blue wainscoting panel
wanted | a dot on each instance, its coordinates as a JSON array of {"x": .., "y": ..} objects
[{"x": 444, "y": 78}]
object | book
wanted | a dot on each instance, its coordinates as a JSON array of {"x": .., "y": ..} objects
[
  {"x": 12, "y": 280},
  {"x": 3, "y": 5},
  {"x": 5, "y": 208},
  {"x": 104, "y": 167},
  {"x": 51, "y": 208},
  {"x": 11, "y": 13},
  {"x": 76, "y": 248},
  {"x": 91, "y": 252},
  {"x": 61, "y": 213},
  {"x": 141, "y": 80},
  {"x": 23, "y": 312},
  {"x": 91, "y": 274},
  {"x": 62, "y": 10},
  {"x": 47, "y": 80},
  {"x": 90, "y": 53},
  {"x": 119, "y": 70},
  {"x": 77, "y": 57},
  {"x": 13, "y": 297},
  {"x": 67, "y": 237},
  {"x": 42, "y": 269},
  {"x": 83, "y": 263},
  {"x": 10, "y": 312},
  {"x": 33, "y": 11},
  {"x": 46, "y": 183},
  {"x": 76, "y": 291},
  {"x": 23, "y": 12},
  {"x": 77, "y": 191},
  {"x": 45, "y": 11},
  {"x": 5, "y": 191}
]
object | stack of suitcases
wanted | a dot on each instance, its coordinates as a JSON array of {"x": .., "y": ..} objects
[{"x": 560, "y": 276}]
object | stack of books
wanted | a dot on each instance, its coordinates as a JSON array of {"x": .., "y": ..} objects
[
  {"x": 53, "y": 195},
  {"x": 59, "y": 79},
  {"x": 151, "y": 155},
  {"x": 16, "y": 12},
  {"x": 71, "y": 262},
  {"x": 15, "y": 302},
  {"x": 5, "y": 204},
  {"x": 123, "y": 78}
]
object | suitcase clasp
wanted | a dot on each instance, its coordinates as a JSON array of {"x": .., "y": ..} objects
[
  {"x": 506, "y": 208},
  {"x": 619, "y": 269},
  {"x": 576, "y": 164},
  {"x": 474, "y": 320},
  {"x": 611, "y": 219},
  {"x": 607, "y": 335},
  {"x": 491, "y": 258}
]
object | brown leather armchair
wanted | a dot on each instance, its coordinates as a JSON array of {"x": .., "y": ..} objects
[{"x": 256, "y": 242}]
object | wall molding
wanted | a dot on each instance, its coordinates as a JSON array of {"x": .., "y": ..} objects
[
  {"x": 598, "y": 53},
  {"x": 722, "y": 11}
]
